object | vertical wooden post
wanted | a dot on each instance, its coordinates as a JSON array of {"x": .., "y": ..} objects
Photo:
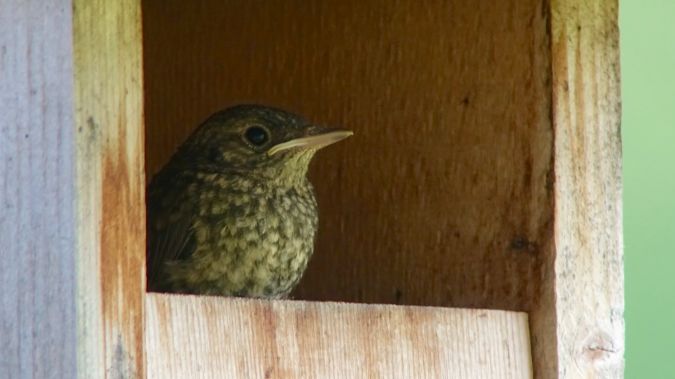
[
  {"x": 71, "y": 189},
  {"x": 110, "y": 181},
  {"x": 38, "y": 325},
  {"x": 587, "y": 232}
]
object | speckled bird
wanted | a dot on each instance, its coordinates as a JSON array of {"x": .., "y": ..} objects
[{"x": 233, "y": 212}]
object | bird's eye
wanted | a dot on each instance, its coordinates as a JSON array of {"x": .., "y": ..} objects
[{"x": 257, "y": 135}]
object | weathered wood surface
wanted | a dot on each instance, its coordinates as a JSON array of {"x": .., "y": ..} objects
[
  {"x": 110, "y": 186},
  {"x": 588, "y": 231},
  {"x": 71, "y": 190},
  {"x": 211, "y": 337},
  {"x": 38, "y": 229}
]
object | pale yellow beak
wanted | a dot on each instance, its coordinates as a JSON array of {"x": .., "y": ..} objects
[{"x": 314, "y": 142}]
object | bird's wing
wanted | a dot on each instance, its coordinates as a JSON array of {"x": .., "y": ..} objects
[{"x": 170, "y": 229}]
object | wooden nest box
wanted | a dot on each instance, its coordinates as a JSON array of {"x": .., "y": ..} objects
[{"x": 471, "y": 227}]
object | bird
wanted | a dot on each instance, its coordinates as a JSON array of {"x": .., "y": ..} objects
[{"x": 233, "y": 213}]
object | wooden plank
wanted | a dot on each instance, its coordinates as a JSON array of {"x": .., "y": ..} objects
[
  {"x": 210, "y": 337},
  {"x": 72, "y": 189},
  {"x": 110, "y": 186},
  {"x": 588, "y": 231},
  {"x": 38, "y": 323}
]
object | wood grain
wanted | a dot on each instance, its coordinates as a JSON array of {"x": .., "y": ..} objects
[
  {"x": 110, "y": 186},
  {"x": 38, "y": 229},
  {"x": 210, "y": 337},
  {"x": 588, "y": 231}
]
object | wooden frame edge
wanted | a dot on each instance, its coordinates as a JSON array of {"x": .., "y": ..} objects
[
  {"x": 588, "y": 214},
  {"x": 110, "y": 207}
]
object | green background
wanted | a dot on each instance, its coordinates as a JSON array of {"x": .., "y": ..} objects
[{"x": 648, "y": 96}]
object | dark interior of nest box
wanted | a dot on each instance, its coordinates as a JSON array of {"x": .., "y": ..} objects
[{"x": 442, "y": 196}]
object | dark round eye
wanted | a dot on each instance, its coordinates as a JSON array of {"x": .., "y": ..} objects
[{"x": 256, "y": 135}]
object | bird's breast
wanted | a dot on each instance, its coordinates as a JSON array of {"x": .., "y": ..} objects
[{"x": 257, "y": 241}]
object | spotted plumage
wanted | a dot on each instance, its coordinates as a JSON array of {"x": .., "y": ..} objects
[{"x": 233, "y": 213}]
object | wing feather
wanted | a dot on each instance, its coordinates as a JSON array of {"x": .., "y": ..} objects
[{"x": 171, "y": 237}]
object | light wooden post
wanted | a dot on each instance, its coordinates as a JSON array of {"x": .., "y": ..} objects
[
  {"x": 72, "y": 189},
  {"x": 588, "y": 235},
  {"x": 111, "y": 185},
  {"x": 38, "y": 226}
]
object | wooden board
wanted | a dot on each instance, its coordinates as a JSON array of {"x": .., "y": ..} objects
[
  {"x": 210, "y": 337},
  {"x": 38, "y": 229},
  {"x": 110, "y": 186},
  {"x": 588, "y": 231},
  {"x": 71, "y": 190}
]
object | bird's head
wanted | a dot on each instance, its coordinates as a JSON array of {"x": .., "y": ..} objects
[{"x": 263, "y": 141}]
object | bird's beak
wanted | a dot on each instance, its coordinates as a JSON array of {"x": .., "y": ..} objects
[{"x": 316, "y": 138}]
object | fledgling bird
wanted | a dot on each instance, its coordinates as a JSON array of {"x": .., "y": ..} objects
[{"x": 233, "y": 212}]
